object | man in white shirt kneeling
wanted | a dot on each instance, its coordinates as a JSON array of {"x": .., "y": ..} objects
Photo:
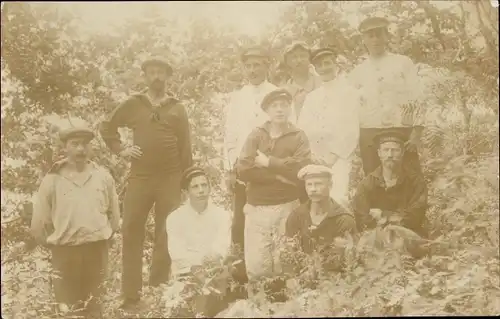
[{"x": 199, "y": 235}]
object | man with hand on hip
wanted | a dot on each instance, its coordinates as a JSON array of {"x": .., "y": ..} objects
[{"x": 160, "y": 153}]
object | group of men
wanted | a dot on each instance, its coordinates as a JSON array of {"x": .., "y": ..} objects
[{"x": 288, "y": 158}]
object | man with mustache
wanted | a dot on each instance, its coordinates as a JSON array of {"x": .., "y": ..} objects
[
  {"x": 303, "y": 77},
  {"x": 316, "y": 223},
  {"x": 75, "y": 213},
  {"x": 269, "y": 162},
  {"x": 390, "y": 92},
  {"x": 392, "y": 190},
  {"x": 330, "y": 120},
  {"x": 243, "y": 114},
  {"x": 199, "y": 235},
  {"x": 160, "y": 153}
]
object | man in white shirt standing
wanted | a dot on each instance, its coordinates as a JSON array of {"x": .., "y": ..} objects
[
  {"x": 243, "y": 114},
  {"x": 390, "y": 92},
  {"x": 199, "y": 234},
  {"x": 330, "y": 120}
]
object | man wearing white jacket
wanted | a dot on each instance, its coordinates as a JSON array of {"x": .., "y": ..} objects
[
  {"x": 330, "y": 120},
  {"x": 243, "y": 114}
]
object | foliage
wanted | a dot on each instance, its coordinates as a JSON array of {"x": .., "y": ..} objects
[{"x": 51, "y": 69}]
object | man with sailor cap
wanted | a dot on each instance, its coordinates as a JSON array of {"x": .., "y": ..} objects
[
  {"x": 391, "y": 190},
  {"x": 330, "y": 120},
  {"x": 391, "y": 95}
]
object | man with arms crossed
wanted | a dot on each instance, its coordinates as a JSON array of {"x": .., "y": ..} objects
[
  {"x": 390, "y": 91},
  {"x": 161, "y": 152},
  {"x": 269, "y": 162},
  {"x": 75, "y": 213},
  {"x": 330, "y": 120},
  {"x": 243, "y": 114}
]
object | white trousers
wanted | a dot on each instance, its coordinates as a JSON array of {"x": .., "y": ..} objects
[
  {"x": 340, "y": 188},
  {"x": 264, "y": 232}
]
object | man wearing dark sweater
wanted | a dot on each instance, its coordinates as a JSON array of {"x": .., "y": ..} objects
[
  {"x": 160, "y": 152},
  {"x": 269, "y": 162}
]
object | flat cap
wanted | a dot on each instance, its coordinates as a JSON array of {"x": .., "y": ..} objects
[
  {"x": 294, "y": 45},
  {"x": 256, "y": 52},
  {"x": 157, "y": 61},
  {"x": 189, "y": 174},
  {"x": 275, "y": 95},
  {"x": 322, "y": 52},
  {"x": 313, "y": 170},
  {"x": 389, "y": 135},
  {"x": 74, "y": 127},
  {"x": 373, "y": 23}
]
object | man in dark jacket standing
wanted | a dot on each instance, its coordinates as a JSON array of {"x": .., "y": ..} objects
[{"x": 161, "y": 151}]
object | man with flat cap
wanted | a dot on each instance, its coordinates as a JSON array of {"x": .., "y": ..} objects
[
  {"x": 330, "y": 120},
  {"x": 391, "y": 190},
  {"x": 161, "y": 151},
  {"x": 391, "y": 95},
  {"x": 199, "y": 235},
  {"x": 316, "y": 223},
  {"x": 243, "y": 114},
  {"x": 75, "y": 213},
  {"x": 303, "y": 77},
  {"x": 269, "y": 162}
]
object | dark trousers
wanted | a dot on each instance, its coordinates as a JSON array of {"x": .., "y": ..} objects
[
  {"x": 238, "y": 230},
  {"x": 369, "y": 155},
  {"x": 81, "y": 271},
  {"x": 142, "y": 193}
]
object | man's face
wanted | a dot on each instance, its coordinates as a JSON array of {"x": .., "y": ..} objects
[
  {"x": 390, "y": 154},
  {"x": 255, "y": 69},
  {"x": 279, "y": 110},
  {"x": 156, "y": 76},
  {"x": 199, "y": 189},
  {"x": 78, "y": 149},
  {"x": 325, "y": 66},
  {"x": 318, "y": 188},
  {"x": 376, "y": 40},
  {"x": 297, "y": 58}
]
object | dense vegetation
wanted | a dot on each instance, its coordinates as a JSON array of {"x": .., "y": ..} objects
[{"x": 50, "y": 70}]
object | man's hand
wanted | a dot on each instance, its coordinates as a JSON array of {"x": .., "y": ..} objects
[
  {"x": 261, "y": 160},
  {"x": 376, "y": 213},
  {"x": 131, "y": 152},
  {"x": 413, "y": 143}
]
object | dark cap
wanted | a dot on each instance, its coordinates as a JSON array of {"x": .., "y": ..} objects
[
  {"x": 275, "y": 95},
  {"x": 373, "y": 23},
  {"x": 157, "y": 61},
  {"x": 255, "y": 52},
  {"x": 294, "y": 45},
  {"x": 322, "y": 52},
  {"x": 191, "y": 173},
  {"x": 390, "y": 135}
]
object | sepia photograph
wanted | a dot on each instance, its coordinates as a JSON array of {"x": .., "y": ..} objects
[{"x": 249, "y": 159}]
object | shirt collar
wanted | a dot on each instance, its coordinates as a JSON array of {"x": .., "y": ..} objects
[
  {"x": 333, "y": 209},
  {"x": 207, "y": 209}
]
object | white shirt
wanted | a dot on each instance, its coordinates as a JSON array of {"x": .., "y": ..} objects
[
  {"x": 385, "y": 85},
  {"x": 193, "y": 235},
  {"x": 330, "y": 120},
  {"x": 243, "y": 114}
]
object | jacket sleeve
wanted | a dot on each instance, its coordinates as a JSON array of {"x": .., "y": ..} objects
[
  {"x": 41, "y": 221},
  {"x": 184, "y": 138},
  {"x": 231, "y": 134},
  {"x": 109, "y": 127},
  {"x": 290, "y": 166},
  {"x": 361, "y": 204},
  {"x": 414, "y": 212},
  {"x": 246, "y": 169}
]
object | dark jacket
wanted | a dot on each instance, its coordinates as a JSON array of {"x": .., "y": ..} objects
[
  {"x": 288, "y": 154},
  {"x": 162, "y": 134},
  {"x": 408, "y": 198}
]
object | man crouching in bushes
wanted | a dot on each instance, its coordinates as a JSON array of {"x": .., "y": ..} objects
[
  {"x": 316, "y": 223},
  {"x": 75, "y": 213},
  {"x": 269, "y": 162},
  {"x": 199, "y": 242}
]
